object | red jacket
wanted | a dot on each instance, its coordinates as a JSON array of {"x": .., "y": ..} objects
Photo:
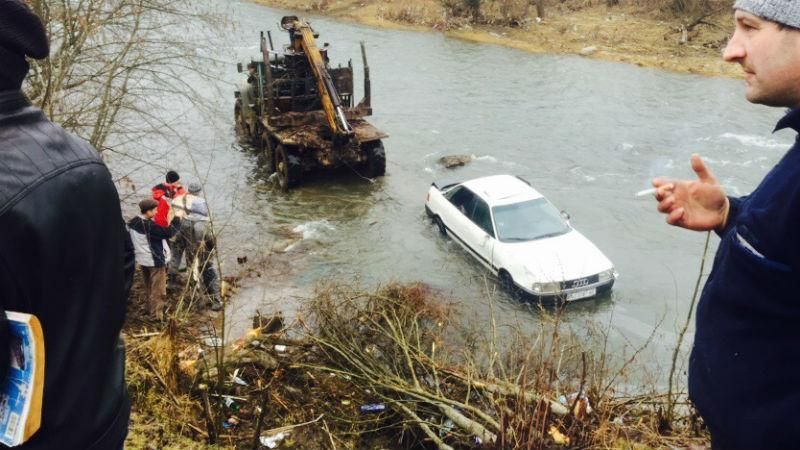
[{"x": 163, "y": 193}]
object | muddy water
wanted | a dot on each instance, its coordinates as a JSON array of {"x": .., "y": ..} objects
[{"x": 587, "y": 134}]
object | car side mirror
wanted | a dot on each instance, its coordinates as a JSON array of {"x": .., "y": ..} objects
[{"x": 565, "y": 215}]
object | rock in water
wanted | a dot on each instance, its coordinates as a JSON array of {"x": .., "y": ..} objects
[
  {"x": 451, "y": 161},
  {"x": 588, "y": 51}
]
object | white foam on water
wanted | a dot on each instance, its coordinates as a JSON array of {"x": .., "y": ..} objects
[
  {"x": 489, "y": 158},
  {"x": 509, "y": 164},
  {"x": 626, "y": 146},
  {"x": 727, "y": 162},
  {"x": 436, "y": 132},
  {"x": 428, "y": 170},
  {"x": 313, "y": 229},
  {"x": 754, "y": 141}
]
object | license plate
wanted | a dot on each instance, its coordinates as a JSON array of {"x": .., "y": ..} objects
[{"x": 581, "y": 294}]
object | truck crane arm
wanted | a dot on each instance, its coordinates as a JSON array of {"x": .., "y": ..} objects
[{"x": 303, "y": 40}]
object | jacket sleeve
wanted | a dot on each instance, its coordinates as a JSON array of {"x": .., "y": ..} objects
[
  {"x": 155, "y": 230},
  {"x": 7, "y": 292},
  {"x": 129, "y": 263},
  {"x": 733, "y": 213},
  {"x": 162, "y": 212}
]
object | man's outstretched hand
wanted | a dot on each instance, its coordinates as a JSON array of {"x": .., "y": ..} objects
[{"x": 699, "y": 205}]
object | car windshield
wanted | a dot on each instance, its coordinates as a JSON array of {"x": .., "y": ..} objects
[{"x": 527, "y": 221}]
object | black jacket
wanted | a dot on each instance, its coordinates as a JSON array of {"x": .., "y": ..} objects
[
  {"x": 66, "y": 257},
  {"x": 150, "y": 240}
]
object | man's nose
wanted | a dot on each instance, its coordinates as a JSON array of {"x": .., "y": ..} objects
[{"x": 734, "y": 51}]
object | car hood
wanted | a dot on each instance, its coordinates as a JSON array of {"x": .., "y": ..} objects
[{"x": 559, "y": 258}]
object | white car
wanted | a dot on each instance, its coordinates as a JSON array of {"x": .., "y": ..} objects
[{"x": 521, "y": 237}]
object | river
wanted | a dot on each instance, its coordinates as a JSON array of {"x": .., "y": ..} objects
[{"x": 588, "y": 134}]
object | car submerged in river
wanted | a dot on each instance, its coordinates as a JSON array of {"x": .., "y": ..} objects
[{"x": 521, "y": 237}]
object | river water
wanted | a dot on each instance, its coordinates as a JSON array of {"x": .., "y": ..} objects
[{"x": 588, "y": 134}]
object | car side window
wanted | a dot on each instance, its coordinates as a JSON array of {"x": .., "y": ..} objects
[
  {"x": 481, "y": 216},
  {"x": 462, "y": 198}
]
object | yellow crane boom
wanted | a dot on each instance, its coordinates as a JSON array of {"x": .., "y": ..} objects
[{"x": 303, "y": 40}]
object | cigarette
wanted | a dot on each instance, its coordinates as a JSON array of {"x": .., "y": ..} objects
[{"x": 650, "y": 191}]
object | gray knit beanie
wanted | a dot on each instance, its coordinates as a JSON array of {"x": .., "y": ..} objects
[{"x": 786, "y": 12}]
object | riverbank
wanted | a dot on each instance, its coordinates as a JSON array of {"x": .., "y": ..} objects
[
  {"x": 380, "y": 369},
  {"x": 639, "y": 35}
]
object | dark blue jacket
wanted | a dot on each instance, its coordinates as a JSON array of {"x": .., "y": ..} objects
[{"x": 744, "y": 371}]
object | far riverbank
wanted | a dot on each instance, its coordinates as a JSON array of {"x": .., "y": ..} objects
[{"x": 621, "y": 33}]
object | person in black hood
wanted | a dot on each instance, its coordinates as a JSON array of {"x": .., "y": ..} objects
[{"x": 65, "y": 255}]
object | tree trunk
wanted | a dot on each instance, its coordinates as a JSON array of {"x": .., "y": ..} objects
[{"x": 540, "y": 9}]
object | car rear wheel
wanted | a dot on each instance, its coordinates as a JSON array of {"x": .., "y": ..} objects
[{"x": 440, "y": 225}]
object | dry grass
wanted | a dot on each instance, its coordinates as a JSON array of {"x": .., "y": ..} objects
[
  {"x": 642, "y": 32},
  {"x": 402, "y": 346}
]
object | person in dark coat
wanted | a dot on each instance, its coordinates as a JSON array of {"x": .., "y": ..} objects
[
  {"x": 65, "y": 255},
  {"x": 744, "y": 370}
]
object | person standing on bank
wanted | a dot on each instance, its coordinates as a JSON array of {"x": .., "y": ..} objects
[
  {"x": 65, "y": 255},
  {"x": 164, "y": 194},
  {"x": 152, "y": 254},
  {"x": 196, "y": 241},
  {"x": 744, "y": 370}
]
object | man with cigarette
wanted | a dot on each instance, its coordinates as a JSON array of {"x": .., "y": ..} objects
[{"x": 744, "y": 371}]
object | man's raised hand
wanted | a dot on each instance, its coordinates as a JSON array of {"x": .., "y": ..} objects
[{"x": 699, "y": 205}]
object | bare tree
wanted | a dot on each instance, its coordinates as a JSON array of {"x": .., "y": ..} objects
[{"x": 110, "y": 62}]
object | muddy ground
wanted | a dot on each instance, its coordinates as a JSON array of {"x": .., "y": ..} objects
[{"x": 648, "y": 35}]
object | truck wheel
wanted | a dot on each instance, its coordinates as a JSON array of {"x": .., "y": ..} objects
[
  {"x": 238, "y": 119},
  {"x": 288, "y": 167},
  {"x": 267, "y": 153},
  {"x": 376, "y": 160},
  {"x": 254, "y": 134}
]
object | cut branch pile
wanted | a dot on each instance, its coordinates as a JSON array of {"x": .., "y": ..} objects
[
  {"x": 393, "y": 344},
  {"x": 395, "y": 368}
]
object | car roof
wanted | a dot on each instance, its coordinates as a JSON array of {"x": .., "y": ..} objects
[{"x": 502, "y": 189}]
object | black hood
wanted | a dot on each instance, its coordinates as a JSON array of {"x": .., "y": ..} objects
[{"x": 21, "y": 34}]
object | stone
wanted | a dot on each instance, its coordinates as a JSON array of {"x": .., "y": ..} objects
[{"x": 452, "y": 161}]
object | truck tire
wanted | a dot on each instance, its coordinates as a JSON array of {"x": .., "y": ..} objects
[
  {"x": 238, "y": 119},
  {"x": 255, "y": 134},
  {"x": 267, "y": 148},
  {"x": 288, "y": 166},
  {"x": 267, "y": 153},
  {"x": 376, "y": 160}
]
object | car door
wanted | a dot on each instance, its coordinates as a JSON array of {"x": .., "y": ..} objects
[
  {"x": 460, "y": 219},
  {"x": 480, "y": 232}
]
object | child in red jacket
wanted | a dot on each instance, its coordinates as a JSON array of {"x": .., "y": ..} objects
[{"x": 164, "y": 193}]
